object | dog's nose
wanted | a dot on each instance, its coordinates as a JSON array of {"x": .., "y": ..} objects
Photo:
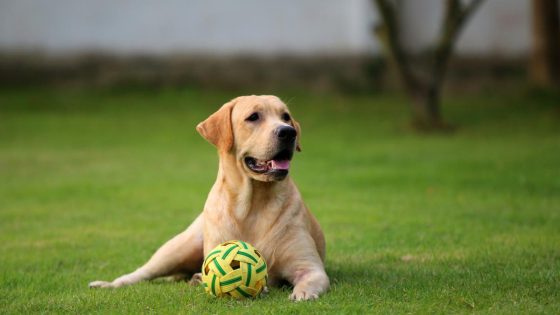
[{"x": 285, "y": 133}]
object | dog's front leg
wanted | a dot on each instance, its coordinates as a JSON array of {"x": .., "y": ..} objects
[
  {"x": 301, "y": 266},
  {"x": 309, "y": 283},
  {"x": 183, "y": 253}
]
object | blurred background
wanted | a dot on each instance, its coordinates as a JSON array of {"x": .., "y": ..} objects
[
  {"x": 430, "y": 137},
  {"x": 323, "y": 45}
]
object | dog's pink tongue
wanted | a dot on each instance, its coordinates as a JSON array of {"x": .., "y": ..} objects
[{"x": 281, "y": 165}]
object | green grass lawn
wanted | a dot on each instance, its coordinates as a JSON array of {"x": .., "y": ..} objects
[{"x": 92, "y": 182}]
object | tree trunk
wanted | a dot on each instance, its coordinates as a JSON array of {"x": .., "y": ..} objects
[
  {"x": 425, "y": 106},
  {"x": 544, "y": 68},
  {"x": 424, "y": 93}
]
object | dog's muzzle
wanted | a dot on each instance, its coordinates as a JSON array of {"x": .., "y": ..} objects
[{"x": 279, "y": 165}]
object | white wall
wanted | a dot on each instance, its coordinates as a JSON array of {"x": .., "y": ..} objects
[
  {"x": 500, "y": 28},
  {"x": 194, "y": 26},
  {"x": 266, "y": 27}
]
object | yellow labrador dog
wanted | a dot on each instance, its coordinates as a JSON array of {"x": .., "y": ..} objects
[{"x": 253, "y": 200}]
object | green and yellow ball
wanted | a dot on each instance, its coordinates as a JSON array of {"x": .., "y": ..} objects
[{"x": 236, "y": 269}]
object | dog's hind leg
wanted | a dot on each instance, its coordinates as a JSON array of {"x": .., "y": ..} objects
[{"x": 181, "y": 254}]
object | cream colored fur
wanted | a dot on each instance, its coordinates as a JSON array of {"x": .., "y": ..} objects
[{"x": 265, "y": 211}]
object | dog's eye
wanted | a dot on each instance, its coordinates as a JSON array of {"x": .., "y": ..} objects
[
  {"x": 253, "y": 117},
  {"x": 286, "y": 117}
]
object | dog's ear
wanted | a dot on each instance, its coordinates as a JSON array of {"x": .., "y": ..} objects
[
  {"x": 217, "y": 128},
  {"x": 298, "y": 129}
]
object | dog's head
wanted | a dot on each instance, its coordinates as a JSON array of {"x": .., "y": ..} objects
[{"x": 258, "y": 131}]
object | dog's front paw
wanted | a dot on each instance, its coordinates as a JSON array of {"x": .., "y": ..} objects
[
  {"x": 303, "y": 295},
  {"x": 106, "y": 284},
  {"x": 101, "y": 284},
  {"x": 196, "y": 279}
]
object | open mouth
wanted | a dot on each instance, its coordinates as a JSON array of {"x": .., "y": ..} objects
[{"x": 279, "y": 164}]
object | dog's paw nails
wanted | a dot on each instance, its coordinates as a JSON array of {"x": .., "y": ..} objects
[
  {"x": 303, "y": 296},
  {"x": 100, "y": 284},
  {"x": 196, "y": 279}
]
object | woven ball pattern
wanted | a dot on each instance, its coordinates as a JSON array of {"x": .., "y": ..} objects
[{"x": 234, "y": 268}]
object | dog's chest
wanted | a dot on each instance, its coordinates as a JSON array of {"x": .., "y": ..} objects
[{"x": 263, "y": 225}]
